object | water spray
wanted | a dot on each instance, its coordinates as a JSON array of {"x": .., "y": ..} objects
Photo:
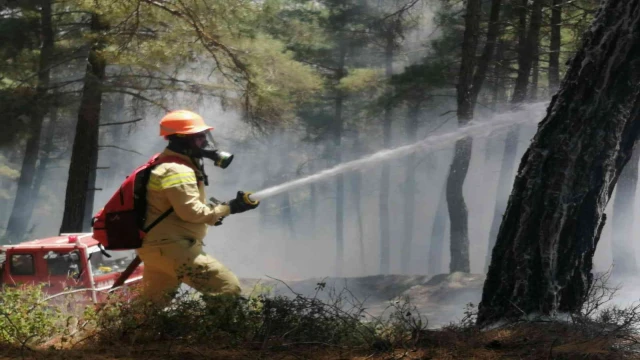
[{"x": 529, "y": 114}]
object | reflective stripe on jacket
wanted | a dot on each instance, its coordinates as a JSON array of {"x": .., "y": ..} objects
[{"x": 177, "y": 185}]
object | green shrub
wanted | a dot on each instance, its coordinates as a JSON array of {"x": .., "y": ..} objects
[{"x": 25, "y": 319}]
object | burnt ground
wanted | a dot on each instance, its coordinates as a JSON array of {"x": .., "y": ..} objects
[{"x": 441, "y": 298}]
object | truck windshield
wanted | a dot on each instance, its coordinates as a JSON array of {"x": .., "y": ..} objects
[
  {"x": 101, "y": 264},
  {"x": 63, "y": 264}
]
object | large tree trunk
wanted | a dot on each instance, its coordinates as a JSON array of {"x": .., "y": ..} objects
[
  {"x": 409, "y": 190},
  {"x": 554, "y": 46},
  {"x": 527, "y": 51},
  {"x": 624, "y": 260},
  {"x": 20, "y": 218},
  {"x": 385, "y": 235},
  {"x": 337, "y": 138},
  {"x": 436, "y": 246},
  {"x": 542, "y": 260},
  {"x": 85, "y": 144},
  {"x": 505, "y": 180},
  {"x": 458, "y": 213}
]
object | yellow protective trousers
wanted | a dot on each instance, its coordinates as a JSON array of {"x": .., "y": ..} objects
[{"x": 183, "y": 261}]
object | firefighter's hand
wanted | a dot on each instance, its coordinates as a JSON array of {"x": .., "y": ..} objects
[
  {"x": 242, "y": 203},
  {"x": 219, "y": 222}
]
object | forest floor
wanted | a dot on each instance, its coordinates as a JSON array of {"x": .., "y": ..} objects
[{"x": 439, "y": 299}]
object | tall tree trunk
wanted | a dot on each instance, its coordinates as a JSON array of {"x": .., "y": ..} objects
[
  {"x": 527, "y": 52},
  {"x": 19, "y": 219},
  {"x": 468, "y": 88},
  {"x": 436, "y": 246},
  {"x": 385, "y": 235},
  {"x": 114, "y": 105},
  {"x": 44, "y": 159},
  {"x": 85, "y": 144},
  {"x": 337, "y": 138},
  {"x": 533, "y": 92},
  {"x": 554, "y": 46},
  {"x": 543, "y": 257},
  {"x": 356, "y": 186},
  {"x": 7, "y": 184},
  {"x": 624, "y": 260},
  {"x": 505, "y": 180},
  {"x": 356, "y": 192},
  {"x": 313, "y": 205},
  {"x": 409, "y": 190},
  {"x": 499, "y": 89},
  {"x": 458, "y": 213},
  {"x": 287, "y": 216}
]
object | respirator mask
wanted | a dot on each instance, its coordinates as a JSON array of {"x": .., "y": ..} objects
[
  {"x": 209, "y": 150},
  {"x": 200, "y": 146}
]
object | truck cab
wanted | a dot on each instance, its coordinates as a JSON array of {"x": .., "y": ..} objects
[{"x": 65, "y": 263}]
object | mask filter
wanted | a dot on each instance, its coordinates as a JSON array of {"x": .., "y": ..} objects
[{"x": 220, "y": 158}]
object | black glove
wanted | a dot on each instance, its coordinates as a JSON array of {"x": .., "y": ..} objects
[{"x": 242, "y": 203}]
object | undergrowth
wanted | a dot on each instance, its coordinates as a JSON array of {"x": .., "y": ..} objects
[{"x": 262, "y": 322}]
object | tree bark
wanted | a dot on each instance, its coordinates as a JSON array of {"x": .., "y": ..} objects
[
  {"x": 385, "y": 236},
  {"x": 624, "y": 260},
  {"x": 527, "y": 52},
  {"x": 542, "y": 260},
  {"x": 409, "y": 190},
  {"x": 505, "y": 180},
  {"x": 20, "y": 217},
  {"x": 85, "y": 144},
  {"x": 554, "y": 46}
]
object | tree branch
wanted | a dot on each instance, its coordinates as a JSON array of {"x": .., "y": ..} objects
[
  {"x": 100, "y": 147},
  {"x": 122, "y": 122}
]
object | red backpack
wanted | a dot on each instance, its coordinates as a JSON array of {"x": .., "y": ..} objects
[{"x": 120, "y": 224}]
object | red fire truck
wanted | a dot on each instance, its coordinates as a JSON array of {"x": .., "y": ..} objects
[{"x": 65, "y": 263}]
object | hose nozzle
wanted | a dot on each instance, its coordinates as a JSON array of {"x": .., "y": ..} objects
[{"x": 247, "y": 199}]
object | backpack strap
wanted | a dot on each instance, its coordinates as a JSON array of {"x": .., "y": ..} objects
[
  {"x": 157, "y": 161},
  {"x": 156, "y": 221}
]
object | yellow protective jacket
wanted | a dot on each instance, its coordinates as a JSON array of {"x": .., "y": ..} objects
[{"x": 177, "y": 186}]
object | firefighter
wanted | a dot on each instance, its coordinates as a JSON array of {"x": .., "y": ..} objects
[{"x": 172, "y": 251}]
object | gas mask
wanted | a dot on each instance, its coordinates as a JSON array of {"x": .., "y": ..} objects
[
  {"x": 188, "y": 145},
  {"x": 209, "y": 150}
]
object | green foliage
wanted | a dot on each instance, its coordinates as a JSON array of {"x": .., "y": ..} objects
[
  {"x": 362, "y": 80},
  {"x": 25, "y": 319},
  {"x": 260, "y": 320}
]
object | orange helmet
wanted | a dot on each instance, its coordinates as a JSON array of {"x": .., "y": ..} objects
[{"x": 182, "y": 122}]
